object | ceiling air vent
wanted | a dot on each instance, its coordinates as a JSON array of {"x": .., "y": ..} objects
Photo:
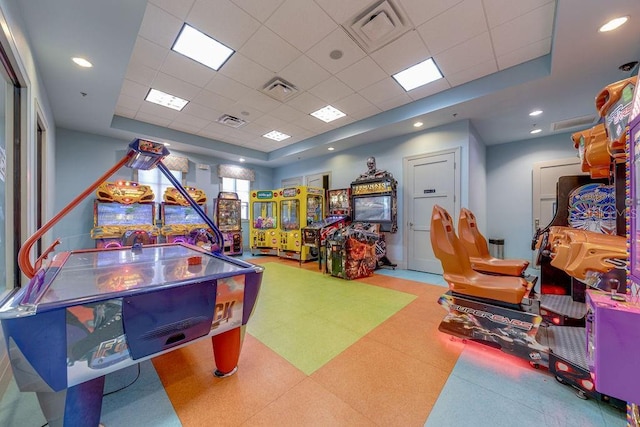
[
  {"x": 378, "y": 25},
  {"x": 280, "y": 89},
  {"x": 572, "y": 123},
  {"x": 231, "y": 121}
]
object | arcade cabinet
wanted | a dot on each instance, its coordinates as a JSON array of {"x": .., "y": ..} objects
[
  {"x": 180, "y": 222},
  {"x": 351, "y": 251},
  {"x": 123, "y": 214},
  {"x": 64, "y": 331},
  {"x": 264, "y": 231},
  {"x": 299, "y": 207},
  {"x": 374, "y": 201},
  {"x": 315, "y": 234},
  {"x": 227, "y": 215}
]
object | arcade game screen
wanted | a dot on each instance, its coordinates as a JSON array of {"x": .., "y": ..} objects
[
  {"x": 176, "y": 214},
  {"x": 374, "y": 208},
  {"x": 119, "y": 214}
]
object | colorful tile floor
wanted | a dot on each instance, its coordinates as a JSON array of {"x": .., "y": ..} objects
[{"x": 322, "y": 351}]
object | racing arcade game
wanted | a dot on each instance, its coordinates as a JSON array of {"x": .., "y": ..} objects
[
  {"x": 180, "y": 222},
  {"x": 123, "y": 214}
]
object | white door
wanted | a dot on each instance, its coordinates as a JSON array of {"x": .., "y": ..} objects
[
  {"x": 430, "y": 179},
  {"x": 545, "y": 179},
  {"x": 317, "y": 180}
]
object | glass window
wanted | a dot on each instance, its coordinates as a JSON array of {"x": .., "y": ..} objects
[
  {"x": 157, "y": 181},
  {"x": 241, "y": 188},
  {"x": 9, "y": 187}
]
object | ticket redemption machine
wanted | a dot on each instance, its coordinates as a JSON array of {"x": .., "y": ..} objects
[
  {"x": 124, "y": 214},
  {"x": 374, "y": 201},
  {"x": 227, "y": 214},
  {"x": 180, "y": 222},
  {"x": 299, "y": 206},
  {"x": 264, "y": 231}
]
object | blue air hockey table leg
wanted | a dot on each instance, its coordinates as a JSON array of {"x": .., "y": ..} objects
[{"x": 79, "y": 405}]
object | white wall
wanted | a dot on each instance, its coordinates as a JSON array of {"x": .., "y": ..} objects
[
  {"x": 510, "y": 183},
  {"x": 346, "y": 165}
]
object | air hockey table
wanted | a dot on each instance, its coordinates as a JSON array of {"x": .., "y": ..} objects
[{"x": 91, "y": 312}]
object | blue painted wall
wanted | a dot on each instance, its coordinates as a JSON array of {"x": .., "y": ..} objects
[{"x": 510, "y": 186}]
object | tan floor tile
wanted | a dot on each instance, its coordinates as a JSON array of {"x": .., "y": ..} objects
[{"x": 308, "y": 404}]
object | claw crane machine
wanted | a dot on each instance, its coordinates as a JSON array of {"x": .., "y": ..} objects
[
  {"x": 299, "y": 207},
  {"x": 264, "y": 233}
]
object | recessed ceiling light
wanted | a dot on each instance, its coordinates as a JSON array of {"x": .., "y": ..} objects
[
  {"x": 82, "y": 62},
  {"x": 536, "y": 131},
  {"x": 613, "y": 24},
  {"x": 535, "y": 113},
  {"x": 276, "y": 136},
  {"x": 417, "y": 124},
  {"x": 166, "y": 100},
  {"x": 202, "y": 48},
  {"x": 418, "y": 75},
  {"x": 241, "y": 160},
  {"x": 328, "y": 114},
  {"x": 330, "y": 148}
]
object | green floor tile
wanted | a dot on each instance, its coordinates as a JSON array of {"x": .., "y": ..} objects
[{"x": 309, "y": 318}]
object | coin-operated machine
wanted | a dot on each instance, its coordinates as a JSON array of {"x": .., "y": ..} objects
[
  {"x": 299, "y": 207},
  {"x": 227, "y": 214},
  {"x": 374, "y": 201},
  {"x": 124, "y": 214},
  {"x": 264, "y": 231},
  {"x": 180, "y": 222}
]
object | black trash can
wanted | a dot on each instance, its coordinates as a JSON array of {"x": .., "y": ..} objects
[{"x": 496, "y": 248}]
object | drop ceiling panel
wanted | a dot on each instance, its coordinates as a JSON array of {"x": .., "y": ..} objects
[
  {"x": 502, "y": 11},
  {"x": 394, "y": 102},
  {"x": 429, "y": 89},
  {"x": 303, "y": 73},
  {"x": 527, "y": 53},
  {"x": 159, "y": 26},
  {"x": 243, "y": 70},
  {"x": 456, "y": 25},
  {"x": 353, "y": 104},
  {"x": 190, "y": 122},
  {"x": 469, "y": 74},
  {"x": 307, "y": 103},
  {"x": 225, "y": 86},
  {"x": 260, "y": 102},
  {"x": 302, "y": 22},
  {"x": 129, "y": 102},
  {"x": 362, "y": 74},
  {"x": 341, "y": 11},
  {"x": 153, "y": 119},
  {"x": 310, "y": 123},
  {"x": 239, "y": 110},
  {"x": 269, "y": 50},
  {"x": 133, "y": 89},
  {"x": 175, "y": 87},
  {"x": 401, "y": 54},
  {"x": 188, "y": 70},
  {"x": 201, "y": 111},
  {"x": 382, "y": 91},
  {"x": 259, "y": 9},
  {"x": 213, "y": 101},
  {"x": 224, "y": 21},
  {"x": 285, "y": 113},
  {"x": 331, "y": 90},
  {"x": 140, "y": 73},
  {"x": 178, "y": 8},
  {"x": 271, "y": 122},
  {"x": 524, "y": 30},
  {"x": 148, "y": 53},
  {"x": 157, "y": 110},
  {"x": 337, "y": 40},
  {"x": 419, "y": 14},
  {"x": 466, "y": 55}
]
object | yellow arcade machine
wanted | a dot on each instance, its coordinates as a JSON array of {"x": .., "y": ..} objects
[
  {"x": 264, "y": 233},
  {"x": 299, "y": 207},
  {"x": 124, "y": 214},
  {"x": 179, "y": 220}
]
